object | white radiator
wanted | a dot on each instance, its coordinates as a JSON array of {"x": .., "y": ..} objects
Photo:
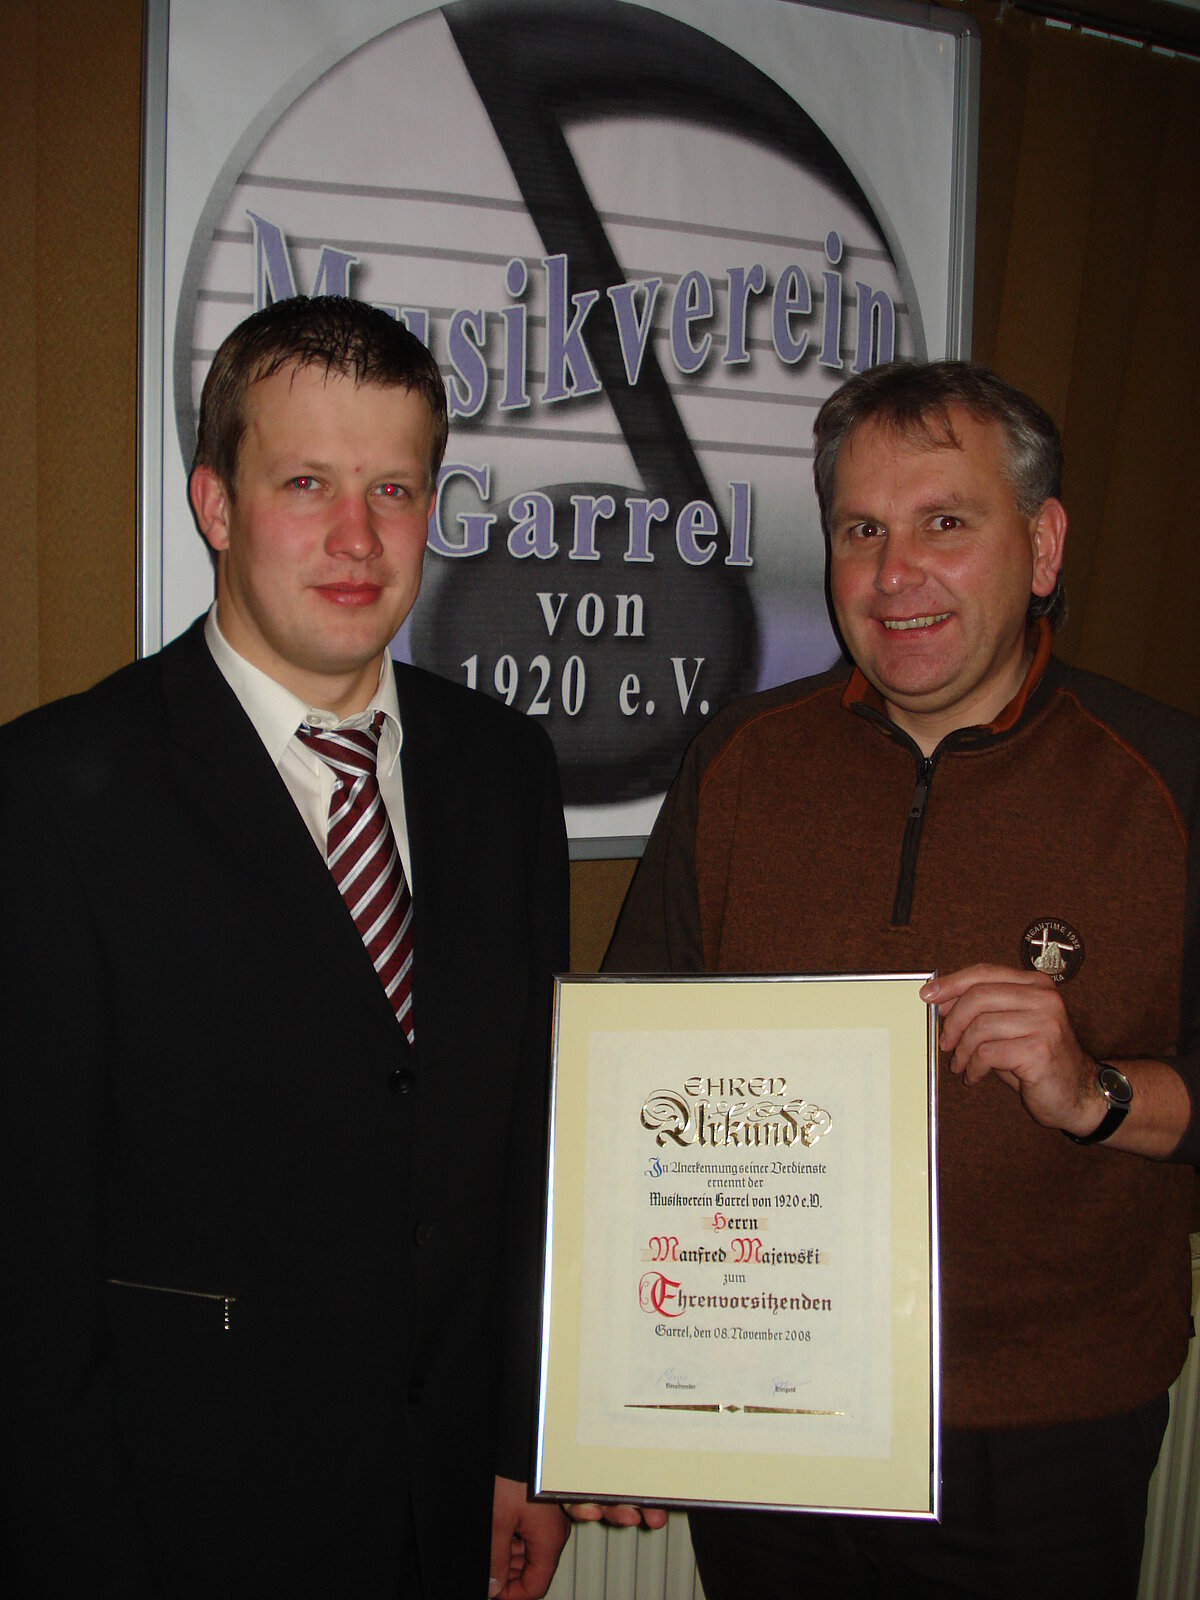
[
  {"x": 1171, "y": 1560},
  {"x": 627, "y": 1564}
]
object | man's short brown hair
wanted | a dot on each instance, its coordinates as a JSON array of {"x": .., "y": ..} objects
[
  {"x": 348, "y": 338},
  {"x": 913, "y": 399}
]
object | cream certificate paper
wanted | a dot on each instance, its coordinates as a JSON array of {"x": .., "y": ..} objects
[{"x": 740, "y": 1301}]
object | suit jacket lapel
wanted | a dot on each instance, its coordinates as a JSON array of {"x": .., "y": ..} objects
[
  {"x": 225, "y": 773},
  {"x": 437, "y": 813}
]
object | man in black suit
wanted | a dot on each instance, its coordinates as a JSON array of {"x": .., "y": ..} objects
[{"x": 270, "y": 1268}]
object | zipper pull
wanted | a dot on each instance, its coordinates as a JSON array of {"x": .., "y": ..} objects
[{"x": 921, "y": 790}]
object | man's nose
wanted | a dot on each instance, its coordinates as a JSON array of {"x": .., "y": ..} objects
[
  {"x": 352, "y": 531},
  {"x": 899, "y": 565}
]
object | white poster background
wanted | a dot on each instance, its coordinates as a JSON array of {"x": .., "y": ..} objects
[{"x": 890, "y": 97}]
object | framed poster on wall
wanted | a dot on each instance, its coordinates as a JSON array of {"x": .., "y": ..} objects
[{"x": 644, "y": 240}]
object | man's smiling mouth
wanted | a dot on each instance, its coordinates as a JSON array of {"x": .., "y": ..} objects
[{"x": 905, "y": 624}]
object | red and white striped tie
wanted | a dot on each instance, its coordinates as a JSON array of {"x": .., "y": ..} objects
[{"x": 362, "y": 855}]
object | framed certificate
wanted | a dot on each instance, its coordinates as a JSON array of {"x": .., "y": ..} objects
[{"x": 740, "y": 1301}]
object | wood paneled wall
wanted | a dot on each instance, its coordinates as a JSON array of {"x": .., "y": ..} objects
[{"x": 70, "y": 120}]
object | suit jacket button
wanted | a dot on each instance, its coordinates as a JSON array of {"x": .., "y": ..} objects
[
  {"x": 422, "y": 1234},
  {"x": 401, "y": 1081}
]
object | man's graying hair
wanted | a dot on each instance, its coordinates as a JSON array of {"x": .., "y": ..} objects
[
  {"x": 348, "y": 338},
  {"x": 913, "y": 399}
]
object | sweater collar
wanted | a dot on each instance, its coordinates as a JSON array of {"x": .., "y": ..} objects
[{"x": 861, "y": 696}]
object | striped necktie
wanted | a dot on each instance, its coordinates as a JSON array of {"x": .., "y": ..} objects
[{"x": 361, "y": 853}]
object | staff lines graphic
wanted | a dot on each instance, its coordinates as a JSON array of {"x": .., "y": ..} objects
[{"x": 453, "y": 198}]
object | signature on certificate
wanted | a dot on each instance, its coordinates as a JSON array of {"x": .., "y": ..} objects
[{"x": 671, "y": 1379}]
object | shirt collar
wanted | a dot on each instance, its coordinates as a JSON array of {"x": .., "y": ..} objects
[{"x": 276, "y": 712}]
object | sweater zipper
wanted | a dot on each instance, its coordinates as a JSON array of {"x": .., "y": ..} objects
[{"x": 902, "y": 905}]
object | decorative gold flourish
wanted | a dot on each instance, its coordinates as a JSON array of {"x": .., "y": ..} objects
[{"x": 720, "y": 1405}]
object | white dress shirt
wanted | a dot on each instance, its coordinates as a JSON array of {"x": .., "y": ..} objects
[{"x": 277, "y": 713}]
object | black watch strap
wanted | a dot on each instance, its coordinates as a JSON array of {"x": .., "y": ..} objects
[{"x": 1118, "y": 1091}]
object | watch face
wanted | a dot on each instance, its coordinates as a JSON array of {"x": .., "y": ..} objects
[{"x": 1115, "y": 1086}]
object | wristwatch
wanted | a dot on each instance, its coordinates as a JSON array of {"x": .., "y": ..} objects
[{"x": 1118, "y": 1091}]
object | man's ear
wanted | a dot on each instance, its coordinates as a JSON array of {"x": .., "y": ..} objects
[
  {"x": 1049, "y": 530},
  {"x": 210, "y": 506}
]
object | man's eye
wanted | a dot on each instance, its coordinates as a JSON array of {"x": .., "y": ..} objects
[
  {"x": 392, "y": 491},
  {"x": 865, "y": 530},
  {"x": 947, "y": 523},
  {"x": 304, "y": 483}
]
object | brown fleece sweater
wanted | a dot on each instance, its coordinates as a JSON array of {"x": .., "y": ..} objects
[{"x": 797, "y": 838}]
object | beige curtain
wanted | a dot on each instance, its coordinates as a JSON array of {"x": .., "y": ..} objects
[{"x": 1087, "y": 294}]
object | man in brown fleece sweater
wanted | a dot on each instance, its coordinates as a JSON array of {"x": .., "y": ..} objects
[{"x": 961, "y": 800}]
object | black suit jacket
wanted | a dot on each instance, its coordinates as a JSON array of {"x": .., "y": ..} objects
[{"x": 270, "y": 1276}]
